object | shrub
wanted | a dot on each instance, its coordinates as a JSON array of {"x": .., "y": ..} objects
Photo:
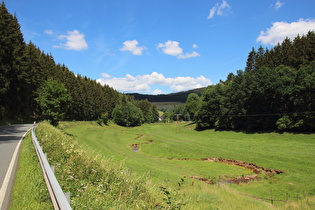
[{"x": 103, "y": 119}]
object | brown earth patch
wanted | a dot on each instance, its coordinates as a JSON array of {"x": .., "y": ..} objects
[
  {"x": 251, "y": 166},
  {"x": 229, "y": 180},
  {"x": 241, "y": 179},
  {"x": 207, "y": 181},
  {"x": 136, "y": 146}
]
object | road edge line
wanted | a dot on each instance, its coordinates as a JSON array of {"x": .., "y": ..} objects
[{"x": 6, "y": 180}]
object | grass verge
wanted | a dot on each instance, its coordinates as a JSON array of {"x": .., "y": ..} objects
[{"x": 29, "y": 190}]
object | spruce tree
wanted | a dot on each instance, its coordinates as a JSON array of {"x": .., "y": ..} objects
[{"x": 11, "y": 63}]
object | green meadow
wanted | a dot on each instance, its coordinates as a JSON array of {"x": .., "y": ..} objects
[{"x": 168, "y": 154}]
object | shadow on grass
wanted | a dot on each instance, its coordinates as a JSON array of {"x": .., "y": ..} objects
[{"x": 248, "y": 131}]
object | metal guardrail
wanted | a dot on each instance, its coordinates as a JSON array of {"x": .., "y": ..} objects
[{"x": 57, "y": 196}]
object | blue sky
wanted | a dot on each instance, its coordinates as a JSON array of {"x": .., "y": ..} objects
[{"x": 158, "y": 46}]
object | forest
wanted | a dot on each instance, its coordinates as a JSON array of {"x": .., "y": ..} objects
[
  {"x": 276, "y": 91},
  {"x": 25, "y": 70}
]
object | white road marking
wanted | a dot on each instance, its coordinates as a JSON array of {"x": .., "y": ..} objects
[{"x": 6, "y": 180}]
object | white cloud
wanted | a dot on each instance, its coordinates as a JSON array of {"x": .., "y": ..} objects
[
  {"x": 170, "y": 48},
  {"x": 104, "y": 75},
  {"x": 280, "y": 30},
  {"x": 173, "y": 48},
  {"x": 75, "y": 41},
  {"x": 195, "y": 46},
  {"x": 278, "y": 5},
  {"x": 50, "y": 32},
  {"x": 143, "y": 83},
  {"x": 157, "y": 92},
  {"x": 189, "y": 55},
  {"x": 219, "y": 9},
  {"x": 132, "y": 46}
]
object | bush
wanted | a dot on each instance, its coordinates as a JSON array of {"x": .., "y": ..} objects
[{"x": 103, "y": 119}]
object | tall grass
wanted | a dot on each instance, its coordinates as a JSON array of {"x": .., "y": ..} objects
[{"x": 29, "y": 190}]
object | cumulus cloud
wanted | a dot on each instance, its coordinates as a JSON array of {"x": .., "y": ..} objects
[
  {"x": 132, "y": 46},
  {"x": 280, "y": 30},
  {"x": 143, "y": 83},
  {"x": 219, "y": 9},
  {"x": 74, "y": 41},
  {"x": 173, "y": 48}
]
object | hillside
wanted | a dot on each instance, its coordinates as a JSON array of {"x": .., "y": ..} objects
[{"x": 179, "y": 97}]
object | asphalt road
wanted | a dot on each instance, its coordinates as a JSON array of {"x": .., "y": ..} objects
[{"x": 10, "y": 137}]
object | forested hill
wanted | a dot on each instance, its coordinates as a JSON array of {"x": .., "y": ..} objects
[
  {"x": 172, "y": 97},
  {"x": 24, "y": 68},
  {"x": 275, "y": 91}
]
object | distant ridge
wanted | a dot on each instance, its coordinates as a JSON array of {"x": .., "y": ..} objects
[{"x": 172, "y": 97}]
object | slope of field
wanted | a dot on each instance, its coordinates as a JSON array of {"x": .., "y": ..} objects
[{"x": 166, "y": 153}]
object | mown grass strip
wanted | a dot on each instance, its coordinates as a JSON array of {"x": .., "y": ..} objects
[{"x": 29, "y": 190}]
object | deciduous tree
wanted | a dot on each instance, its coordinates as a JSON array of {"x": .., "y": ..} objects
[{"x": 54, "y": 101}]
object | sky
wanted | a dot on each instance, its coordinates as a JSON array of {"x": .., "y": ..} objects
[{"x": 159, "y": 46}]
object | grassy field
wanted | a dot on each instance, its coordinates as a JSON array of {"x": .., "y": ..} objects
[
  {"x": 167, "y": 105},
  {"x": 166, "y": 153}
]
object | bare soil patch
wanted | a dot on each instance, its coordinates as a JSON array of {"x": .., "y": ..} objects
[
  {"x": 229, "y": 180},
  {"x": 207, "y": 181},
  {"x": 240, "y": 179},
  {"x": 251, "y": 166},
  {"x": 136, "y": 146}
]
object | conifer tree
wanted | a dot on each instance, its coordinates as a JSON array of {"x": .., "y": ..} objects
[{"x": 11, "y": 66}]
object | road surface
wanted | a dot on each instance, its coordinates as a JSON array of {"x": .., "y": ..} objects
[{"x": 10, "y": 138}]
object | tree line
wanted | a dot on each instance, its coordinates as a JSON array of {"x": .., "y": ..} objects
[
  {"x": 275, "y": 91},
  {"x": 26, "y": 73}
]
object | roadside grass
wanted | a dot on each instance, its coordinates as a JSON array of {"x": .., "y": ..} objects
[
  {"x": 168, "y": 152},
  {"x": 29, "y": 190},
  {"x": 94, "y": 183}
]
